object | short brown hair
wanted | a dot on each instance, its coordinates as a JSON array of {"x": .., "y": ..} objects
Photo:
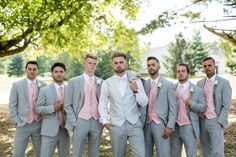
[
  {"x": 208, "y": 58},
  {"x": 186, "y": 66},
  {"x": 119, "y": 54},
  {"x": 89, "y": 55}
]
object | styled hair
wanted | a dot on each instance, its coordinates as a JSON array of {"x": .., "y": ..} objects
[
  {"x": 119, "y": 54},
  {"x": 153, "y": 58},
  {"x": 185, "y": 65},
  {"x": 58, "y": 64},
  {"x": 208, "y": 58},
  {"x": 31, "y": 62},
  {"x": 89, "y": 55}
]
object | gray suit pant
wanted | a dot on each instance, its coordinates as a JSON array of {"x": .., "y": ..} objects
[
  {"x": 183, "y": 135},
  {"x": 153, "y": 135},
  {"x": 131, "y": 132},
  {"x": 87, "y": 129},
  {"x": 22, "y": 136},
  {"x": 61, "y": 140},
  {"x": 211, "y": 138}
]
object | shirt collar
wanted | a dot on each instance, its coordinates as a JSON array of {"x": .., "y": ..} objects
[
  {"x": 86, "y": 77},
  {"x": 155, "y": 80},
  {"x": 123, "y": 77},
  {"x": 57, "y": 86},
  {"x": 29, "y": 81},
  {"x": 212, "y": 79},
  {"x": 185, "y": 85}
]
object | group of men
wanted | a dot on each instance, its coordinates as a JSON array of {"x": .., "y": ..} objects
[{"x": 146, "y": 113}]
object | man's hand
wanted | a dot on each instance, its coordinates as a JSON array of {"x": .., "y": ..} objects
[
  {"x": 201, "y": 114},
  {"x": 133, "y": 86},
  {"x": 188, "y": 102},
  {"x": 107, "y": 126},
  {"x": 167, "y": 133},
  {"x": 58, "y": 106}
]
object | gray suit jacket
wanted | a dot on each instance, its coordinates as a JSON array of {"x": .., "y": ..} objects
[
  {"x": 44, "y": 106},
  {"x": 166, "y": 103},
  {"x": 142, "y": 110},
  {"x": 74, "y": 99},
  {"x": 19, "y": 101},
  {"x": 222, "y": 98},
  {"x": 198, "y": 105}
]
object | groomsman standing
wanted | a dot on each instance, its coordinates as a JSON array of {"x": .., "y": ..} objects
[
  {"x": 162, "y": 111},
  {"x": 218, "y": 96},
  {"x": 50, "y": 105},
  {"x": 124, "y": 92},
  {"x": 81, "y": 105},
  {"x": 22, "y": 101},
  {"x": 191, "y": 101}
]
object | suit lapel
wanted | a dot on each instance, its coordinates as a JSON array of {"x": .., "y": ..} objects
[
  {"x": 160, "y": 81},
  {"x": 25, "y": 88},
  {"x": 54, "y": 91}
]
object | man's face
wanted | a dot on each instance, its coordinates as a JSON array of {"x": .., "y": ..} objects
[
  {"x": 90, "y": 65},
  {"x": 153, "y": 67},
  {"x": 182, "y": 74},
  {"x": 58, "y": 74},
  {"x": 209, "y": 68},
  {"x": 31, "y": 71},
  {"x": 119, "y": 64}
]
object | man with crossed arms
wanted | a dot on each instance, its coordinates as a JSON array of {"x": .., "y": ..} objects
[
  {"x": 218, "y": 94},
  {"x": 22, "y": 101},
  {"x": 81, "y": 105},
  {"x": 125, "y": 92},
  {"x": 191, "y": 101},
  {"x": 50, "y": 105}
]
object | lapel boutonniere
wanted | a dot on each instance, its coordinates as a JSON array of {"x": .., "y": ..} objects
[
  {"x": 99, "y": 81},
  {"x": 39, "y": 84},
  {"x": 191, "y": 91},
  {"x": 216, "y": 82},
  {"x": 159, "y": 85}
]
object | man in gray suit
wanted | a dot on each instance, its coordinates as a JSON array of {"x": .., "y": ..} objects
[
  {"x": 124, "y": 92},
  {"x": 161, "y": 112},
  {"x": 191, "y": 101},
  {"x": 22, "y": 101},
  {"x": 81, "y": 106},
  {"x": 218, "y": 96},
  {"x": 50, "y": 105}
]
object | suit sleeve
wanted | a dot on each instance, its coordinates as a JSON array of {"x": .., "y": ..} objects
[
  {"x": 198, "y": 103},
  {"x": 13, "y": 104},
  {"x": 41, "y": 106},
  {"x": 226, "y": 103},
  {"x": 172, "y": 107},
  {"x": 70, "y": 113}
]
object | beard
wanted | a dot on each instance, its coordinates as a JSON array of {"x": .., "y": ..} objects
[
  {"x": 152, "y": 71},
  {"x": 119, "y": 70}
]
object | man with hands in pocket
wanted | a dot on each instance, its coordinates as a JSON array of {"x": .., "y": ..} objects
[{"x": 124, "y": 92}]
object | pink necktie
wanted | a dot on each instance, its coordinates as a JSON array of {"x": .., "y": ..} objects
[
  {"x": 152, "y": 101},
  {"x": 61, "y": 112},
  {"x": 32, "y": 98},
  {"x": 210, "y": 111}
]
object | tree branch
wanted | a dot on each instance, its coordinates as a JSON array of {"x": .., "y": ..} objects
[{"x": 222, "y": 34}]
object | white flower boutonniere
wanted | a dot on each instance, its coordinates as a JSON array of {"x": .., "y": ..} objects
[
  {"x": 159, "y": 85},
  {"x": 99, "y": 82},
  {"x": 216, "y": 82},
  {"x": 39, "y": 84},
  {"x": 191, "y": 91}
]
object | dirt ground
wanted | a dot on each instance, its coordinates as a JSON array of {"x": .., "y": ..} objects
[{"x": 7, "y": 131}]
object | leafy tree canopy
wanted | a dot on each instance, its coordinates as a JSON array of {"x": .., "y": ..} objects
[
  {"x": 75, "y": 26},
  {"x": 191, "y": 14}
]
